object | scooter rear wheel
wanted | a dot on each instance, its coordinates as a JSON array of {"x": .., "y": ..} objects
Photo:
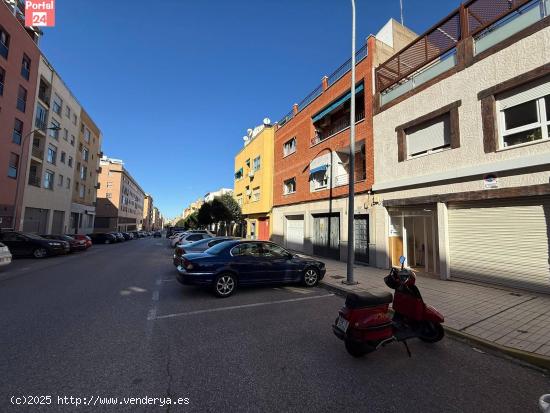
[
  {"x": 432, "y": 332},
  {"x": 357, "y": 349}
]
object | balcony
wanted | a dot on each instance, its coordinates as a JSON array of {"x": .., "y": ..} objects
[
  {"x": 336, "y": 126},
  {"x": 37, "y": 153},
  {"x": 34, "y": 180},
  {"x": 40, "y": 124}
]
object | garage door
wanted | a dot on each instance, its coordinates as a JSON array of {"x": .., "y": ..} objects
[
  {"x": 502, "y": 242},
  {"x": 294, "y": 232}
]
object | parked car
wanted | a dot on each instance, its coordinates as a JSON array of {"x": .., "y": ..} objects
[
  {"x": 119, "y": 237},
  {"x": 197, "y": 246},
  {"x": 81, "y": 237},
  {"x": 103, "y": 238},
  {"x": 188, "y": 238},
  {"x": 229, "y": 264},
  {"x": 127, "y": 236},
  {"x": 25, "y": 244},
  {"x": 74, "y": 245},
  {"x": 157, "y": 234},
  {"x": 5, "y": 255}
]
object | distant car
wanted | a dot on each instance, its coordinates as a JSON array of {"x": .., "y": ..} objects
[
  {"x": 197, "y": 246},
  {"x": 103, "y": 238},
  {"x": 157, "y": 234},
  {"x": 231, "y": 263},
  {"x": 119, "y": 237},
  {"x": 5, "y": 255},
  {"x": 26, "y": 244},
  {"x": 84, "y": 239},
  {"x": 189, "y": 237},
  {"x": 74, "y": 245},
  {"x": 127, "y": 236}
]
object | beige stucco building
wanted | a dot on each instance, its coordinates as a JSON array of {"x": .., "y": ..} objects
[
  {"x": 148, "y": 221},
  {"x": 462, "y": 151},
  {"x": 50, "y": 171},
  {"x": 119, "y": 199},
  {"x": 88, "y": 154}
]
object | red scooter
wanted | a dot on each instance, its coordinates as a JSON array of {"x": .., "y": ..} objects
[{"x": 366, "y": 323}]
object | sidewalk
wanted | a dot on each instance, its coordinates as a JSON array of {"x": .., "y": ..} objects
[{"x": 508, "y": 319}]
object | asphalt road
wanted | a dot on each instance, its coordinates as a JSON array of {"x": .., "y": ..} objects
[{"x": 113, "y": 322}]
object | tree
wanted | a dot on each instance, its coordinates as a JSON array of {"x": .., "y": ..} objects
[
  {"x": 219, "y": 212},
  {"x": 191, "y": 222},
  {"x": 204, "y": 216},
  {"x": 234, "y": 213},
  {"x": 180, "y": 223}
]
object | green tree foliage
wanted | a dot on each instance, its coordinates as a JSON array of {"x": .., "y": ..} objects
[{"x": 204, "y": 216}]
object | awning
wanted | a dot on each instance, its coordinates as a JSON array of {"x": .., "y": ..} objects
[
  {"x": 337, "y": 103},
  {"x": 321, "y": 168}
]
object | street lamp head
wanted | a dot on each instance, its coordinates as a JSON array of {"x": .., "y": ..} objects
[{"x": 55, "y": 128}]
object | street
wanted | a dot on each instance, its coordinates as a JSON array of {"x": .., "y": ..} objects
[{"x": 113, "y": 322}]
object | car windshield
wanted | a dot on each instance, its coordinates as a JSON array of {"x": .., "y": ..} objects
[
  {"x": 33, "y": 236},
  {"x": 218, "y": 248}
]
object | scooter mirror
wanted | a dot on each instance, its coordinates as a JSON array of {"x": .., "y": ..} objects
[{"x": 402, "y": 260}]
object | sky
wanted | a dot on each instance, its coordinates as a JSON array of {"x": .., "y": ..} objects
[{"x": 174, "y": 84}]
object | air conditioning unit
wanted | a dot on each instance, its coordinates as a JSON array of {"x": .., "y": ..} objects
[
  {"x": 251, "y": 174},
  {"x": 248, "y": 192}
]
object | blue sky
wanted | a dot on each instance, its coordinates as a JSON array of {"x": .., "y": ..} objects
[{"x": 175, "y": 84}]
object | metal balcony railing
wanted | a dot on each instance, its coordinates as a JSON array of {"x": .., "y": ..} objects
[
  {"x": 42, "y": 95},
  {"x": 34, "y": 181},
  {"x": 336, "y": 127},
  {"x": 37, "y": 153},
  {"x": 344, "y": 178},
  {"x": 40, "y": 124}
]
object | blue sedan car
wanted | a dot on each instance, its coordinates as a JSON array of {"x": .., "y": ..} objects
[{"x": 231, "y": 263}]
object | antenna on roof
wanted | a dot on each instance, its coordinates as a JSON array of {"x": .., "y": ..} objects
[{"x": 401, "y": 8}]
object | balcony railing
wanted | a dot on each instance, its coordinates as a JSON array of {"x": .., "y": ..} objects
[
  {"x": 40, "y": 124},
  {"x": 43, "y": 96},
  {"x": 343, "y": 179},
  {"x": 332, "y": 79},
  {"x": 34, "y": 181},
  {"x": 435, "y": 52},
  {"x": 336, "y": 127},
  {"x": 37, "y": 153}
]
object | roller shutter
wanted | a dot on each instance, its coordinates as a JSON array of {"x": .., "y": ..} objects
[
  {"x": 294, "y": 232},
  {"x": 502, "y": 242}
]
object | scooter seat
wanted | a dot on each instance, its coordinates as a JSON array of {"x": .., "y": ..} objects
[{"x": 360, "y": 300}]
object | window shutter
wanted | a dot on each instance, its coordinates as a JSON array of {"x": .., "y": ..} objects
[
  {"x": 525, "y": 93},
  {"x": 432, "y": 134}
]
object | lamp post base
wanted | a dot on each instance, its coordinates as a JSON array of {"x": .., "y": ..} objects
[{"x": 346, "y": 282}]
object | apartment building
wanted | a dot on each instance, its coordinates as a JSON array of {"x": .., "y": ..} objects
[
  {"x": 192, "y": 208},
  {"x": 19, "y": 60},
  {"x": 210, "y": 196},
  {"x": 462, "y": 147},
  {"x": 50, "y": 171},
  {"x": 120, "y": 199},
  {"x": 312, "y": 153},
  {"x": 148, "y": 213},
  {"x": 158, "y": 221},
  {"x": 254, "y": 180},
  {"x": 86, "y": 171}
]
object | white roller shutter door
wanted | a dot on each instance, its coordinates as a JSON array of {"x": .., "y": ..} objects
[
  {"x": 502, "y": 242},
  {"x": 294, "y": 233}
]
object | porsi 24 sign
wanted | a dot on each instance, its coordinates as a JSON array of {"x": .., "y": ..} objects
[{"x": 40, "y": 13}]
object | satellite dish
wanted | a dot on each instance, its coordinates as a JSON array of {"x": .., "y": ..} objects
[
  {"x": 249, "y": 131},
  {"x": 245, "y": 138},
  {"x": 267, "y": 121}
]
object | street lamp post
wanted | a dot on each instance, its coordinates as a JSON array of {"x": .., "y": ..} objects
[
  {"x": 351, "y": 183},
  {"x": 15, "y": 214}
]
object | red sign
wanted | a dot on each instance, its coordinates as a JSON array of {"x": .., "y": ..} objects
[{"x": 40, "y": 13}]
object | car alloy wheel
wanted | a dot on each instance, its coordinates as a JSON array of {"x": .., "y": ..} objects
[
  {"x": 225, "y": 285},
  {"x": 40, "y": 253},
  {"x": 311, "y": 277}
]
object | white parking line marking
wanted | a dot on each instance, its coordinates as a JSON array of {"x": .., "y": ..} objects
[
  {"x": 297, "y": 290},
  {"x": 237, "y": 307}
]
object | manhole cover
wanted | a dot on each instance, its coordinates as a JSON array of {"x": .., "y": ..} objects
[{"x": 337, "y": 277}]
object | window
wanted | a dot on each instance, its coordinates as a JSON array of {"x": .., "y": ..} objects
[
  {"x": 2, "y": 79},
  {"x": 273, "y": 251},
  {"x": 41, "y": 116},
  {"x": 109, "y": 184},
  {"x": 70, "y": 161},
  {"x": 4, "y": 43},
  {"x": 26, "y": 67},
  {"x": 248, "y": 163},
  {"x": 63, "y": 155},
  {"x": 54, "y": 129},
  {"x": 74, "y": 119},
  {"x": 83, "y": 172},
  {"x": 57, "y": 104},
  {"x": 72, "y": 140},
  {"x": 289, "y": 147},
  {"x": 68, "y": 111},
  {"x": 87, "y": 135},
  {"x": 524, "y": 114},
  {"x": 68, "y": 183},
  {"x": 256, "y": 194},
  {"x": 82, "y": 191},
  {"x": 289, "y": 186},
  {"x": 60, "y": 180},
  {"x": 429, "y": 137},
  {"x": 13, "y": 165},
  {"x": 22, "y": 99},
  {"x": 239, "y": 174},
  {"x": 52, "y": 154},
  {"x": 48, "y": 179},
  {"x": 249, "y": 249},
  {"x": 240, "y": 199},
  {"x": 320, "y": 179},
  {"x": 65, "y": 135},
  {"x": 256, "y": 164},
  {"x": 17, "y": 132}
]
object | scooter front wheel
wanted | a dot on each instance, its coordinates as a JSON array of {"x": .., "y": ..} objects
[
  {"x": 357, "y": 349},
  {"x": 432, "y": 332}
]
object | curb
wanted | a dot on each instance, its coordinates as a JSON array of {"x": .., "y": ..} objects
[{"x": 530, "y": 358}]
